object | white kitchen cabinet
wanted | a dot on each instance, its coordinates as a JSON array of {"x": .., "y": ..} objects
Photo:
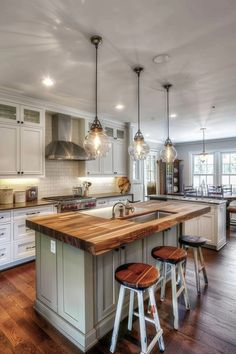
[
  {"x": 31, "y": 116},
  {"x": 211, "y": 226},
  {"x": 22, "y": 140},
  {"x": 32, "y": 151},
  {"x": 120, "y": 157},
  {"x": 107, "y": 162},
  {"x": 17, "y": 241},
  {"x": 9, "y": 149},
  {"x": 9, "y": 112},
  {"x": 94, "y": 167}
]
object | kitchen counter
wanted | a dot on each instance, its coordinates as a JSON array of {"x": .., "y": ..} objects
[
  {"x": 186, "y": 198},
  {"x": 98, "y": 235},
  {"x": 35, "y": 203},
  {"x": 110, "y": 195}
]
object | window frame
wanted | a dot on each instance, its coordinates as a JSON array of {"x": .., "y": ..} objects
[
  {"x": 221, "y": 174},
  {"x": 214, "y": 174}
]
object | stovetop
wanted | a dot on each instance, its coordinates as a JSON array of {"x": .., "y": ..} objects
[{"x": 63, "y": 198}]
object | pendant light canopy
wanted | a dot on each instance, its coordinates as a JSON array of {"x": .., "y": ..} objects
[
  {"x": 139, "y": 149},
  {"x": 204, "y": 154},
  {"x": 96, "y": 143},
  {"x": 168, "y": 153}
]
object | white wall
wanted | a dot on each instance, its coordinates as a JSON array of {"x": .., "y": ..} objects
[{"x": 185, "y": 150}]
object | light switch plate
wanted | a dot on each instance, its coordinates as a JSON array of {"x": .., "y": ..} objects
[{"x": 53, "y": 246}]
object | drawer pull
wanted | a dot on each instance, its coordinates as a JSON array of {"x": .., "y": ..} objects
[
  {"x": 2, "y": 254},
  {"x": 33, "y": 212},
  {"x": 1, "y": 217},
  {"x": 2, "y": 234},
  {"x": 30, "y": 248}
]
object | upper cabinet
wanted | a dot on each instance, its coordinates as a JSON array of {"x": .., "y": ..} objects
[
  {"x": 22, "y": 140},
  {"x": 115, "y": 163}
]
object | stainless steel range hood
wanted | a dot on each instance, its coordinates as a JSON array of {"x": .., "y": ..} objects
[{"x": 62, "y": 147}]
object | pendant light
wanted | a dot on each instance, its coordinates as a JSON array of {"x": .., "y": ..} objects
[
  {"x": 139, "y": 149},
  {"x": 204, "y": 154},
  {"x": 96, "y": 143},
  {"x": 168, "y": 153}
]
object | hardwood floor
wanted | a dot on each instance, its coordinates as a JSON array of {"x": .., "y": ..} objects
[{"x": 209, "y": 328}]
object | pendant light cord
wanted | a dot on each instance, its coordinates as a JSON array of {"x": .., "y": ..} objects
[
  {"x": 96, "y": 83},
  {"x": 138, "y": 101},
  {"x": 167, "y": 110},
  {"x": 203, "y": 140}
]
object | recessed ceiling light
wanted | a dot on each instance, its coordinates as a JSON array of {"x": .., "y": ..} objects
[
  {"x": 173, "y": 115},
  {"x": 48, "y": 81},
  {"x": 119, "y": 106},
  {"x": 161, "y": 58}
]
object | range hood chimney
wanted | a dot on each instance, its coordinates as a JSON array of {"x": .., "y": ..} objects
[{"x": 62, "y": 147}]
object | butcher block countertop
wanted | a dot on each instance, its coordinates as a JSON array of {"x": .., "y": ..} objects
[
  {"x": 35, "y": 203},
  {"x": 99, "y": 235}
]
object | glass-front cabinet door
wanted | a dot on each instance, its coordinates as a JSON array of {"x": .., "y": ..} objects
[
  {"x": 9, "y": 112},
  {"x": 31, "y": 116}
]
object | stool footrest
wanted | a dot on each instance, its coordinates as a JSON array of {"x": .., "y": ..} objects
[
  {"x": 179, "y": 292},
  {"x": 154, "y": 341},
  {"x": 148, "y": 319}
]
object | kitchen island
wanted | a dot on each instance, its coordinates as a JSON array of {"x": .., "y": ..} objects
[{"x": 77, "y": 254}]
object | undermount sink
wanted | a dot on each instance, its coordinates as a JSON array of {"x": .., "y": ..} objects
[{"x": 106, "y": 213}]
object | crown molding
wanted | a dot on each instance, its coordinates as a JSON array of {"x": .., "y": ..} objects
[{"x": 17, "y": 96}]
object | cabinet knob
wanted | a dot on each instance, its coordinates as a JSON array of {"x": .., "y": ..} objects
[
  {"x": 123, "y": 247},
  {"x": 18, "y": 172},
  {"x": 22, "y": 122},
  {"x": 115, "y": 173},
  {"x": 18, "y": 122},
  {"x": 22, "y": 172}
]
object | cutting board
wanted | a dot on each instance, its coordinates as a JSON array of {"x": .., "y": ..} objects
[{"x": 123, "y": 184}]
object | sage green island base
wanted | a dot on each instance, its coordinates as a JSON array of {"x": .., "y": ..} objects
[{"x": 76, "y": 291}]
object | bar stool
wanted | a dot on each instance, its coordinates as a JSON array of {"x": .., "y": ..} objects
[
  {"x": 138, "y": 278},
  {"x": 173, "y": 258},
  {"x": 196, "y": 243}
]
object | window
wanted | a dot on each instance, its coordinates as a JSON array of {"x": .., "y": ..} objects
[
  {"x": 203, "y": 173},
  {"x": 228, "y": 168},
  {"x": 150, "y": 173}
]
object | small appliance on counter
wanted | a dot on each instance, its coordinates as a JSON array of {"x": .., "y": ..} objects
[
  {"x": 31, "y": 194},
  {"x": 6, "y": 196},
  {"x": 19, "y": 197}
]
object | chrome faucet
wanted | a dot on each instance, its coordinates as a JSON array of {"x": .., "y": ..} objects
[{"x": 123, "y": 207}]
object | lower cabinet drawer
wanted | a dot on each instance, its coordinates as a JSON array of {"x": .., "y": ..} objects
[
  {"x": 24, "y": 248},
  {"x": 21, "y": 231},
  {"x": 5, "y": 233},
  {"x": 5, "y": 216},
  {"x": 5, "y": 254}
]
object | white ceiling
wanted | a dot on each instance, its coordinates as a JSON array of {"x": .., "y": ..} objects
[{"x": 40, "y": 37}]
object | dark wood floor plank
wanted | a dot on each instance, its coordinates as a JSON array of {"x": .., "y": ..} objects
[{"x": 209, "y": 328}]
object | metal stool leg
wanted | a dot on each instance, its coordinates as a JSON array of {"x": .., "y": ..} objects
[
  {"x": 203, "y": 265},
  {"x": 142, "y": 323},
  {"x": 131, "y": 310},
  {"x": 117, "y": 319},
  {"x": 174, "y": 296},
  {"x": 163, "y": 283},
  {"x": 156, "y": 319},
  {"x": 196, "y": 269}
]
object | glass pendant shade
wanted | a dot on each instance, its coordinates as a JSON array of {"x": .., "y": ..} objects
[
  {"x": 168, "y": 153},
  {"x": 96, "y": 143},
  {"x": 203, "y": 156},
  {"x": 138, "y": 149}
]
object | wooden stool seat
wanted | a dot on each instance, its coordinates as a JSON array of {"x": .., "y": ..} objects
[
  {"x": 231, "y": 209},
  {"x": 137, "y": 275},
  {"x": 169, "y": 254},
  {"x": 192, "y": 241}
]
